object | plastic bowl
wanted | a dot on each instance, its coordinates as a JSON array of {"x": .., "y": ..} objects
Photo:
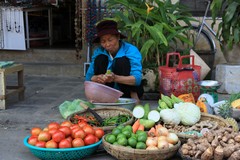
[
  {"x": 62, "y": 154},
  {"x": 99, "y": 93}
]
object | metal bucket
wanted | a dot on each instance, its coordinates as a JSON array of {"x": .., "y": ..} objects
[{"x": 128, "y": 103}]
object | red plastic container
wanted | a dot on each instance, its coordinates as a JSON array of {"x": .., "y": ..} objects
[{"x": 179, "y": 79}]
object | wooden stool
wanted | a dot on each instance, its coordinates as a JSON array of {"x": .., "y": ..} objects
[{"x": 5, "y": 91}]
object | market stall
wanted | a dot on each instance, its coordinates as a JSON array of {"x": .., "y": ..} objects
[{"x": 180, "y": 127}]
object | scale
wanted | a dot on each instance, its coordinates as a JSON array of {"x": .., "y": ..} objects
[{"x": 210, "y": 87}]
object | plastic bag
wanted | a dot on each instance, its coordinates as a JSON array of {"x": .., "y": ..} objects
[{"x": 69, "y": 107}]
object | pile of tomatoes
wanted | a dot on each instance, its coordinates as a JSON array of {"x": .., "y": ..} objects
[{"x": 65, "y": 135}]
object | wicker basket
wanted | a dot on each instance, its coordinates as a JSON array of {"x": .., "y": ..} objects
[
  {"x": 204, "y": 116},
  {"x": 126, "y": 153},
  {"x": 106, "y": 112}
]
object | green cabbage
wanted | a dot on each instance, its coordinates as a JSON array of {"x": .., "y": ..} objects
[{"x": 188, "y": 112}]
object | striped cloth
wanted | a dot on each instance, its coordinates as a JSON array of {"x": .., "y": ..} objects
[{"x": 4, "y": 64}]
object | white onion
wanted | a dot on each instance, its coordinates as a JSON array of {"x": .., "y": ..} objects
[
  {"x": 172, "y": 138},
  {"x": 162, "y": 131},
  {"x": 161, "y": 138},
  {"x": 152, "y": 148},
  {"x": 151, "y": 141},
  {"x": 163, "y": 144}
]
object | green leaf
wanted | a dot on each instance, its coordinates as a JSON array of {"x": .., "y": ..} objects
[
  {"x": 146, "y": 47},
  {"x": 236, "y": 34},
  {"x": 230, "y": 11}
]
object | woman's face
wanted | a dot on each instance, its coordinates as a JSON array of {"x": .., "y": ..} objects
[{"x": 110, "y": 42}]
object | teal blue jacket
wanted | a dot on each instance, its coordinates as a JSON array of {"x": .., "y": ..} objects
[{"x": 128, "y": 50}]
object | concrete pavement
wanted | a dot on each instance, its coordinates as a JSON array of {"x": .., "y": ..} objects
[{"x": 43, "y": 95}]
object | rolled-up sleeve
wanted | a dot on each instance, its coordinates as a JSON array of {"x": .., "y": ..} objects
[{"x": 135, "y": 58}]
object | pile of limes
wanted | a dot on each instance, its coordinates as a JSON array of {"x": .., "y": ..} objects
[{"x": 124, "y": 136}]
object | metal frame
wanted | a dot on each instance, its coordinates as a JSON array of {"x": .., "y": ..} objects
[{"x": 26, "y": 11}]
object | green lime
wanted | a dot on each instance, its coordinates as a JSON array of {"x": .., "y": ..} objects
[
  {"x": 132, "y": 142},
  {"x": 111, "y": 138},
  {"x": 127, "y": 133},
  {"x": 141, "y": 138},
  {"x": 115, "y": 143},
  {"x": 127, "y": 127},
  {"x": 133, "y": 135},
  {"x": 121, "y": 135},
  {"x": 141, "y": 145},
  {"x": 139, "y": 132},
  {"x": 122, "y": 141},
  {"x": 116, "y": 131},
  {"x": 120, "y": 127}
]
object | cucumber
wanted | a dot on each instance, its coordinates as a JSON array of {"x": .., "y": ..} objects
[
  {"x": 154, "y": 115},
  {"x": 146, "y": 108},
  {"x": 138, "y": 111},
  {"x": 147, "y": 123}
]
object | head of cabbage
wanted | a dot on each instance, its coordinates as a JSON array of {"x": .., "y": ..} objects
[{"x": 189, "y": 113}]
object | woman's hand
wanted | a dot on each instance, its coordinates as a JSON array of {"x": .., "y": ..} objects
[
  {"x": 103, "y": 78},
  {"x": 109, "y": 77}
]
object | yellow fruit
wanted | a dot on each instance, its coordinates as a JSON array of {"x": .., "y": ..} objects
[{"x": 236, "y": 103}]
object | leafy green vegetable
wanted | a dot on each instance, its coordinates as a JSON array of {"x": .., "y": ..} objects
[{"x": 234, "y": 97}]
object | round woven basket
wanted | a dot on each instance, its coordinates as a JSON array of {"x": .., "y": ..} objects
[
  {"x": 126, "y": 153},
  {"x": 106, "y": 112},
  {"x": 204, "y": 116}
]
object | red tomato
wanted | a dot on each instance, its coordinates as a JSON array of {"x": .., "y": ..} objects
[
  {"x": 88, "y": 129},
  {"x": 66, "y": 130},
  {"x": 32, "y": 140},
  {"x": 89, "y": 139},
  {"x": 65, "y": 144},
  {"x": 69, "y": 138},
  {"x": 77, "y": 142},
  {"x": 45, "y": 129},
  {"x": 99, "y": 133},
  {"x": 79, "y": 134},
  {"x": 66, "y": 123},
  {"x": 73, "y": 131},
  {"x": 44, "y": 136},
  {"x": 53, "y": 125},
  {"x": 82, "y": 124},
  {"x": 96, "y": 139},
  {"x": 58, "y": 136},
  {"x": 74, "y": 126},
  {"x": 51, "y": 144},
  {"x": 40, "y": 144},
  {"x": 35, "y": 131},
  {"x": 52, "y": 130}
]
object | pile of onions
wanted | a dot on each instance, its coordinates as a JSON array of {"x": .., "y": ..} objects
[{"x": 163, "y": 139}]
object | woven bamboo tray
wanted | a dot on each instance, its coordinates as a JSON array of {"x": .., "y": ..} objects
[
  {"x": 126, "y": 153},
  {"x": 106, "y": 112},
  {"x": 204, "y": 116}
]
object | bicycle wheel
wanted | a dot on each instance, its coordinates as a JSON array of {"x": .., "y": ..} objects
[{"x": 203, "y": 44}]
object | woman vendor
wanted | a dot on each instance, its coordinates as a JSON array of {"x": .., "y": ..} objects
[{"x": 116, "y": 63}]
